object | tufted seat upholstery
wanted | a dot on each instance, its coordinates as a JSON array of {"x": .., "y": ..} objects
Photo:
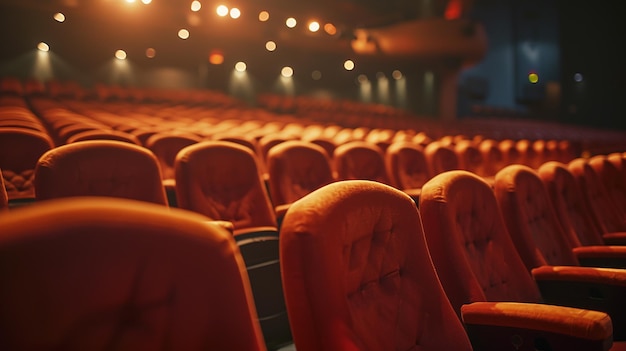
[
  {"x": 470, "y": 157},
  {"x": 613, "y": 179},
  {"x": 357, "y": 274},
  {"x": 110, "y": 273},
  {"x": 221, "y": 180},
  {"x": 99, "y": 168},
  {"x": 360, "y": 160},
  {"x": 531, "y": 219},
  {"x": 407, "y": 167},
  {"x": 476, "y": 260},
  {"x": 295, "y": 169},
  {"x": 441, "y": 157},
  {"x": 19, "y": 151}
]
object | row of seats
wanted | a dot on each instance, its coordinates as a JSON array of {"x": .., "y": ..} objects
[{"x": 363, "y": 268}]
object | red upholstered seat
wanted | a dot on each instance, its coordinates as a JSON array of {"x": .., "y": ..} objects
[
  {"x": 609, "y": 170},
  {"x": 110, "y": 273},
  {"x": 360, "y": 160},
  {"x": 99, "y": 168},
  {"x": 4, "y": 198},
  {"x": 407, "y": 167},
  {"x": 104, "y": 135},
  {"x": 477, "y": 261},
  {"x": 295, "y": 169},
  {"x": 221, "y": 179},
  {"x": 441, "y": 157},
  {"x": 357, "y": 274},
  {"x": 470, "y": 157},
  {"x": 19, "y": 151},
  {"x": 492, "y": 156}
]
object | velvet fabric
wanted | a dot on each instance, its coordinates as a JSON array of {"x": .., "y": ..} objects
[
  {"x": 295, "y": 169},
  {"x": 441, "y": 157},
  {"x": 357, "y": 274},
  {"x": 492, "y": 156},
  {"x": 613, "y": 179},
  {"x": 406, "y": 166},
  {"x": 100, "y": 134},
  {"x": 470, "y": 157},
  {"x": 107, "y": 273},
  {"x": 360, "y": 160},
  {"x": 221, "y": 180},
  {"x": 99, "y": 168},
  {"x": 19, "y": 151},
  {"x": 165, "y": 146},
  {"x": 4, "y": 198}
]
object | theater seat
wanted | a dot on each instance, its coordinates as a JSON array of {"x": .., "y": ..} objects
[
  {"x": 296, "y": 168},
  {"x": 221, "y": 180},
  {"x": 539, "y": 236},
  {"x": 441, "y": 157},
  {"x": 360, "y": 160},
  {"x": 357, "y": 274},
  {"x": 571, "y": 207},
  {"x": 19, "y": 151},
  {"x": 4, "y": 198},
  {"x": 110, "y": 273},
  {"x": 99, "y": 168},
  {"x": 407, "y": 167},
  {"x": 477, "y": 261}
]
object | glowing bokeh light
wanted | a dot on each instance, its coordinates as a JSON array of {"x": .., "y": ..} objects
[
  {"x": 150, "y": 52},
  {"x": 362, "y": 79},
  {"x": 291, "y": 22},
  {"x": 146, "y": 2},
  {"x": 578, "y": 77},
  {"x": 196, "y": 6},
  {"x": 120, "y": 55},
  {"x": 183, "y": 34},
  {"x": 264, "y": 16},
  {"x": 222, "y": 10},
  {"x": 316, "y": 75},
  {"x": 330, "y": 29},
  {"x": 348, "y": 65},
  {"x": 43, "y": 47},
  {"x": 59, "y": 17},
  {"x": 216, "y": 58},
  {"x": 130, "y": 1},
  {"x": 397, "y": 75},
  {"x": 314, "y": 26},
  {"x": 240, "y": 66},
  {"x": 533, "y": 78},
  {"x": 270, "y": 46},
  {"x": 235, "y": 13},
  {"x": 286, "y": 72}
]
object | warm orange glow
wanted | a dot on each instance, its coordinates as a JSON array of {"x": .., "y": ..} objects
[
  {"x": 454, "y": 9},
  {"x": 291, "y": 22},
  {"x": 120, "y": 55},
  {"x": 286, "y": 72},
  {"x": 362, "y": 79},
  {"x": 216, "y": 58},
  {"x": 397, "y": 75},
  {"x": 150, "y": 52},
  {"x": 348, "y": 65},
  {"x": 196, "y": 6},
  {"x": 59, "y": 17},
  {"x": 330, "y": 29},
  {"x": 314, "y": 26},
  {"x": 222, "y": 10},
  {"x": 146, "y": 2},
  {"x": 240, "y": 66},
  {"x": 43, "y": 47},
  {"x": 270, "y": 46},
  {"x": 264, "y": 16},
  {"x": 235, "y": 13},
  {"x": 183, "y": 34},
  {"x": 130, "y": 1}
]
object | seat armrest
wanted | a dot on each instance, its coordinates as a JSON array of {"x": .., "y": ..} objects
[
  {"x": 509, "y": 325},
  {"x": 224, "y": 224},
  {"x": 600, "y": 289},
  {"x": 601, "y": 256},
  {"x": 617, "y": 238},
  {"x": 253, "y": 232},
  {"x": 280, "y": 211}
]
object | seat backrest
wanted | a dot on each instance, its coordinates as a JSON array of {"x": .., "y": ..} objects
[
  {"x": 605, "y": 214},
  {"x": 360, "y": 160},
  {"x": 19, "y": 151},
  {"x": 469, "y": 243},
  {"x": 492, "y": 156},
  {"x": 295, "y": 169},
  {"x": 612, "y": 178},
  {"x": 357, "y": 274},
  {"x": 99, "y": 168},
  {"x": 441, "y": 157},
  {"x": 221, "y": 180},
  {"x": 406, "y": 165},
  {"x": 470, "y": 157},
  {"x": 569, "y": 203},
  {"x": 93, "y": 273},
  {"x": 166, "y": 146},
  {"x": 531, "y": 219},
  {"x": 104, "y": 135},
  {"x": 509, "y": 151}
]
